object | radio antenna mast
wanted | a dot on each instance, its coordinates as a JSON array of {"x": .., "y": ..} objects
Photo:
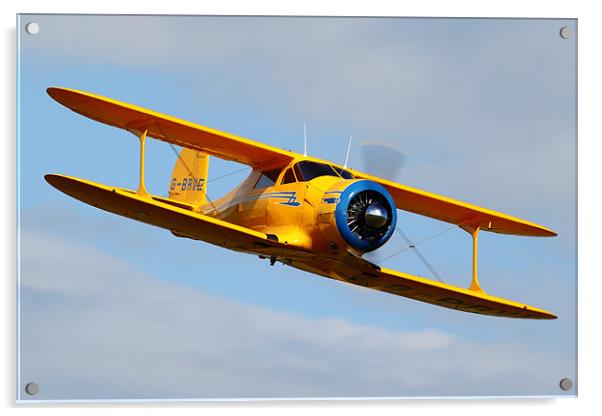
[
  {"x": 304, "y": 139},
  {"x": 348, "y": 149}
]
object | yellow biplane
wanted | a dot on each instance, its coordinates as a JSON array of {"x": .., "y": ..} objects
[{"x": 305, "y": 212}]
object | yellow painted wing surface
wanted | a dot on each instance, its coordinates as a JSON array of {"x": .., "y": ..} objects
[
  {"x": 179, "y": 218},
  {"x": 162, "y": 212},
  {"x": 231, "y": 147},
  {"x": 457, "y": 212},
  {"x": 172, "y": 130},
  {"x": 357, "y": 271}
]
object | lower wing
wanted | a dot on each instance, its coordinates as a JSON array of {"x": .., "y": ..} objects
[
  {"x": 183, "y": 221},
  {"x": 162, "y": 212},
  {"x": 360, "y": 272}
]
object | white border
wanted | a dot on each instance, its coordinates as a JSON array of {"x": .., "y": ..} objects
[{"x": 589, "y": 203}]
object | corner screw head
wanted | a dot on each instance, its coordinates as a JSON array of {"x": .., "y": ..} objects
[
  {"x": 565, "y": 32},
  {"x": 32, "y": 28},
  {"x": 32, "y": 389},
  {"x": 566, "y": 384}
]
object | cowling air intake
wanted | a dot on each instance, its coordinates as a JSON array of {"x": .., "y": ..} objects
[{"x": 364, "y": 217}]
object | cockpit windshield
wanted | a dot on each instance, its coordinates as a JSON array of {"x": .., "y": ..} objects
[
  {"x": 343, "y": 173},
  {"x": 306, "y": 171}
]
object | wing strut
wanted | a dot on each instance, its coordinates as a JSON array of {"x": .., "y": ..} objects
[
  {"x": 474, "y": 233},
  {"x": 141, "y": 187}
]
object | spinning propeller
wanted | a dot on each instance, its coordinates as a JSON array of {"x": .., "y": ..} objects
[
  {"x": 384, "y": 161},
  {"x": 381, "y": 160}
]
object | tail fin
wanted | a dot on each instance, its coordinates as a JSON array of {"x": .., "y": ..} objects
[{"x": 189, "y": 178}]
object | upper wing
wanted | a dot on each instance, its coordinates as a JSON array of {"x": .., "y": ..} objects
[
  {"x": 357, "y": 271},
  {"x": 231, "y": 147},
  {"x": 457, "y": 212},
  {"x": 172, "y": 130},
  {"x": 164, "y": 213}
]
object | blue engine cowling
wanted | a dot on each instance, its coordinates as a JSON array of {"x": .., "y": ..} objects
[{"x": 364, "y": 216}]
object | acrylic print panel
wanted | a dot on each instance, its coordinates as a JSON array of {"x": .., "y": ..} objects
[{"x": 480, "y": 110}]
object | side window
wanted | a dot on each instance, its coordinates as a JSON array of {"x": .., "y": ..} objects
[
  {"x": 267, "y": 179},
  {"x": 289, "y": 177}
]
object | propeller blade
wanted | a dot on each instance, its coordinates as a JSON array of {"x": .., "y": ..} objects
[
  {"x": 385, "y": 161},
  {"x": 382, "y": 160}
]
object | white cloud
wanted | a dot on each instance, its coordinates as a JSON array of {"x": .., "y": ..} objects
[{"x": 94, "y": 327}]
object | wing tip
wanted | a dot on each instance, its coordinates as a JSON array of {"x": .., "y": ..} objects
[
  {"x": 52, "y": 91},
  {"x": 527, "y": 229},
  {"x": 55, "y": 93},
  {"x": 60, "y": 182},
  {"x": 49, "y": 177},
  {"x": 540, "y": 313},
  {"x": 546, "y": 232},
  {"x": 53, "y": 179},
  {"x": 549, "y": 316},
  {"x": 60, "y": 94}
]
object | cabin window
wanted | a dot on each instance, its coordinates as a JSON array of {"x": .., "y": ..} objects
[
  {"x": 306, "y": 170},
  {"x": 289, "y": 177},
  {"x": 267, "y": 179},
  {"x": 343, "y": 173}
]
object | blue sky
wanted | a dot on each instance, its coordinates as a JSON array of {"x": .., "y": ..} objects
[{"x": 484, "y": 111}]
